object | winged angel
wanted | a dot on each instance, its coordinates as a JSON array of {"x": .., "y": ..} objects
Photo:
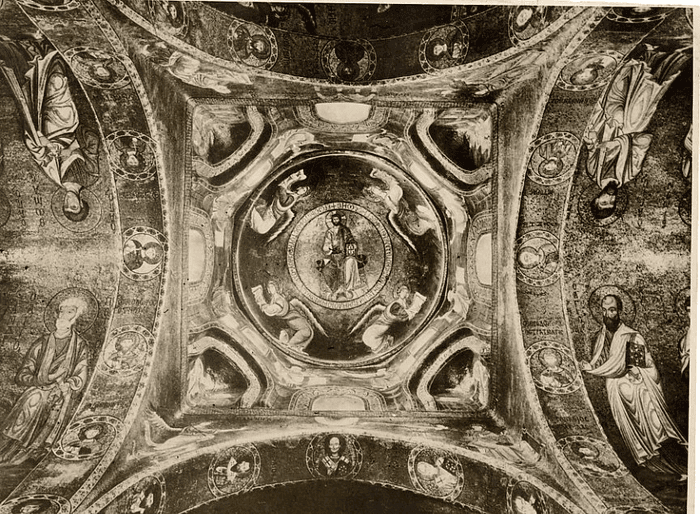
[
  {"x": 300, "y": 320},
  {"x": 403, "y": 309},
  {"x": 402, "y": 218},
  {"x": 264, "y": 217}
]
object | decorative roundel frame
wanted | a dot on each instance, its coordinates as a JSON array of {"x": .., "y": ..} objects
[
  {"x": 257, "y": 30},
  {"x": 436, "y": 32},
  {"x": 371, "y": 57},
  {"x": 145, "y": 483},
  {"x": 72, "y": 54},
  {"x": 458, "y": 472},
  {"x": 182, "y": 31},
  {"x": 512, "y": 33},
  {"x": 566, "y": 139},
  {"x": 540, "y": 498},
  {"x": 221, "y": 457},
  {"x": 36, "y": 4},
  {"x": 61, "y": 449},
  {"x": 532, "y": 353},
  {"x": 553, "y": 276},
  {"x": 153, "y": 234},
  {"x": 91, "y": 221},
  {"x": 60, "y": 504},
  {"x": 378, "y": 226},
  {"x": 616, "y": 15},
  {"x": 317, "y": 442},
  {"x": 149, "y": 169},
  {"x": 601, "y": 447},
  {"x": 562, "y": 82},
  {"x": 147, "y": 342}
]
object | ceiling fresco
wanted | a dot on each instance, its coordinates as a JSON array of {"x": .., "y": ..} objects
[{"x": 359, "y": 257}]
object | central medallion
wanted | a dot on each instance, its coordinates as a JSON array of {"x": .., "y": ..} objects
[
  {"x": 339, "y": 258},
  {"x": 339, "y": 255}
]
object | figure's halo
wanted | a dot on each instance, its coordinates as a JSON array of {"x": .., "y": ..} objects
[
  {"x": 629, "y": 310},
  {"x": 85, "y": 320}
]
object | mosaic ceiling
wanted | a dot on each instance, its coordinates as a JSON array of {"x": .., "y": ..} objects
[{"x": 435, "y": 256}]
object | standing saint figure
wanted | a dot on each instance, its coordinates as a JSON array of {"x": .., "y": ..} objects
[
  {"x": 616, "y": 141},
  {"x": 55, "y": 372},
  {"x": 639, "y": 409},
  {"x": 51, "y": 125}
]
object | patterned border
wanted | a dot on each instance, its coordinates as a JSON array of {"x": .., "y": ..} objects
[
  {"x": 481, "y": 225},
  {"x": 119, "y": 84},
  {"x": 34, "y": 4},
  {"x": 619, "y": 18}
]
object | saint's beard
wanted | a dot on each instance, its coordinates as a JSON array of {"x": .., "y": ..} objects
[{"x": 612, "y": 324}]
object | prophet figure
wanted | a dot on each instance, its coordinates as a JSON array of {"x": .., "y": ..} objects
[
  {"x": 334, "y": 462},
  {"x": 621, "y": 356},
  {"x": 54, "y": 371},
  {"x": 51, "y": 125},
  {"x": 616, "y": 142}
]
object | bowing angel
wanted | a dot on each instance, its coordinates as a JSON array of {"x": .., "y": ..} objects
[
  {"x": 300, "y": 320},
  {"x": 401, "y": 216},
  {"x": 376, "y": 336},
  {"x": 266, "y": 216}
]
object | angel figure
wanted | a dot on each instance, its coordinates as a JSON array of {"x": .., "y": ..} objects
[
  {"x": 300, "y": 320},
  {"x": 416, "y": 221},
  {"x": 266, "y": 216},
  {"x": 376, "y": 336}
]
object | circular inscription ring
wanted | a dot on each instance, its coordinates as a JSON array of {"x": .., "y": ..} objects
[{"x": 304, "y": 228}]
